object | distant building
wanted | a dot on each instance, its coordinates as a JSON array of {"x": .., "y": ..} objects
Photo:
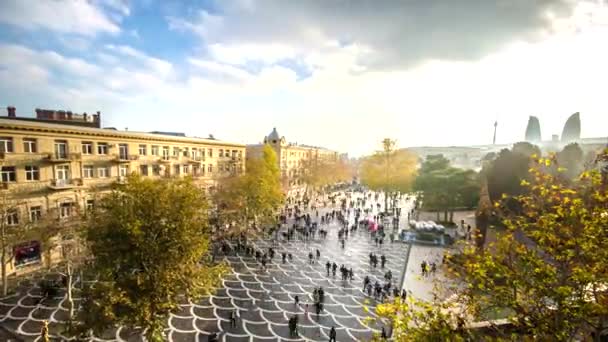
[
  {"x": 572, "y": 129},
  {"x": 291, "y": 157},
  {"x": 533, "y": 130}
]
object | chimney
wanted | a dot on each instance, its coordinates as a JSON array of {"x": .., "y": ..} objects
[
  {"x": 69, "y": 113},
  {"x": 85, "y": 117},
  {"x": 97, "y": 119},
  {"x": 11, "y": 111}
]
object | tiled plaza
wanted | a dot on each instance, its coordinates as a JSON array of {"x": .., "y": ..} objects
[{"x": 264, "y": 298}]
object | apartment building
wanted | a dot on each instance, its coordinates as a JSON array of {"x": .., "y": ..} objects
[
  {"x": 291, "y": 157},
  {"x": 50, "y": 163}
]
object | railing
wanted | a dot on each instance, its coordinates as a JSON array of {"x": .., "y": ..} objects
[
  {"x": 62, "y": 157},
  {"x": 65, "y": 183}
]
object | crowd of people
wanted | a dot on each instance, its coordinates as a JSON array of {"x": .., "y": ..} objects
[{"x": 305, "y": 219}]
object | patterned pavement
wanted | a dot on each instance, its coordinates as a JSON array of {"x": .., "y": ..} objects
[{"x": 264, "y": 299}]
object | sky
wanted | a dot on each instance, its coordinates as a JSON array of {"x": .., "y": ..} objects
[{"x": 342, "y": 74}]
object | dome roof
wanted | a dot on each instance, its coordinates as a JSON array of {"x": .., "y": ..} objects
[{"x": 274, "y": 135}]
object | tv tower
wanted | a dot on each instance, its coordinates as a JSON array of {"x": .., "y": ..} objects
[{"x": 495, "y": 125}]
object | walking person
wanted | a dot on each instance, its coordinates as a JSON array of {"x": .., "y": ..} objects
[{"x": 332, "y": 334}]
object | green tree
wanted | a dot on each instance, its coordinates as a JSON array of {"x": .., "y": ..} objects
[
  {"x": 13, "y": 231},
  {"x": 505, "y": 173},
  {"x": 389, "y": 170},
  {"x": 149, "y": 240},
  {"x": 571, "y": 159},
  {"x": 252, "y": 198},
  {"x": 446, "y": 188}
]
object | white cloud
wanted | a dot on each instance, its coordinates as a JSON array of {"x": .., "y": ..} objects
[
  {"x": 160, "y": 66},
  {"x": 219, "y": 68},
  {"x": 240, "y": 54},
  {"x": 78, "y": 17}
]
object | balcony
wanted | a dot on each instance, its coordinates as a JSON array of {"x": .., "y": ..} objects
[
  {"x": 165, "y": 160},
  {"x": 62, "y": 157},
  {"x": 121, "y": 180},
  {"x": 62, "y": 184},
  {"x": 125, "y": 158}
]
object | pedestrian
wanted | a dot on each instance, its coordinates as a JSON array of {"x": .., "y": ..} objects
[
  {"x": 318, "y": 254},
  {"x": 328, "y": 266},
  {"x": 332, "y": 334},
  {"x": 383, "y": 334},
  {"x": 296, "y": 299},
  {"x": 232, "y": 319}
]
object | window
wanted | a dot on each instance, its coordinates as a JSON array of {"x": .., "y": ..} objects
[
  {"x": 29, "y": 145},
  {"x": 87, "y": 171},
  {"x": 61, "y": 149},
  {"x": 154, "y": 151},
  {"x": 123, "y": 151},
  {"x": 156, "y": 170},
  {"x": 12, "y": 218},
  {"x": 165, "y": 152},
  {"x": 210, "y": 151},
  {"x": 87, "y": 147},
  {"x": 185, "y": 168},
  {"x": 220, "y": 153},
  {"x": 62, "y": 172},
  {"x": 220, "y": 167},
  {"x": 202, "y": 153},
  {"x": 194, "y": 153},
  {"x": 143, "y": 170},
  {"x": 176, "y": 169},
  {"x": 210, "y": 168},
  {"x": 35, "y": 213},
  {"x": 65, "y": 209},
  {"x": 202, "y": 169},
  {"x": 103, "y": 172},
  {"x": 143, "y": 150},
  {"x": 123, "y": 170},
  {"x": 176, "y": 151},
  {"x": 240, "y": 154},
  {"x": 6, "y": 144},
  {"x": 196, "y": 170},
  {"x": 90, "y": 204},
  {"x": 186, "y": 152},
  {"x": 8, "y": 174},
  {"x": 32, "y": 173},
  {"x": 102, "y": 148}
]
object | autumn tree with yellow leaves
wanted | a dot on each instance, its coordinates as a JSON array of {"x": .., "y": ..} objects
[
  {"x": 389, "y": 170},
  {"x": 547, "y": 271}
]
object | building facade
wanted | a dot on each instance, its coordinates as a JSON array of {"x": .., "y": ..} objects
[
  {"x": 54, "y": 165},
  {"x": 291, "y": 157}
]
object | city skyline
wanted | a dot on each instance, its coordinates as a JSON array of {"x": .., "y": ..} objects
[{"x": 235, "y": 69}]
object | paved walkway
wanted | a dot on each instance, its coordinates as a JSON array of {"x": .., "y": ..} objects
[{"x": 264, "y": 299}]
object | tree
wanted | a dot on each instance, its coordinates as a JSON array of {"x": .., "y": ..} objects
[
  {"x": 317, "y": 173},
  {"x": 12, "y": 232},
  {"x": 547, "y": 273},
  {"x": 251, "y": 198},
  {"x": 446, "y": 188},
  {"x": 549, "y": 268},
  {"x": 149, "y": 240},
  {"x": 505, "y": 174},
  {"x": 389, "y": 170},
  {"x": 571, "y": 158},
  {"x": 526, "y": 149},
  {"x": 66, "y": 235}
]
